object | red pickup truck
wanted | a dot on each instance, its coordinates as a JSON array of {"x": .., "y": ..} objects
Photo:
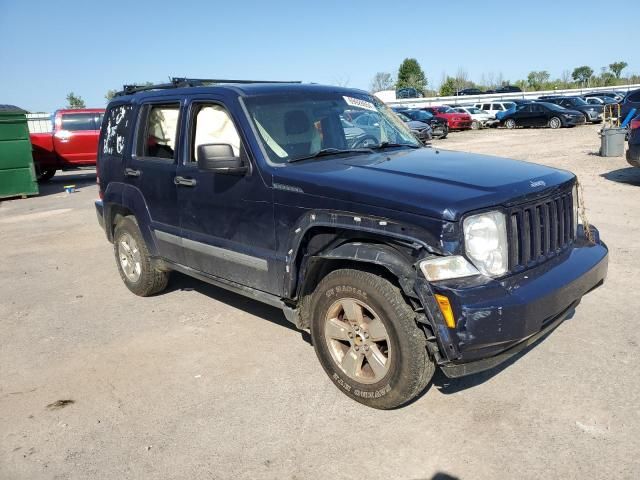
[{"x": 72, "y": 142}]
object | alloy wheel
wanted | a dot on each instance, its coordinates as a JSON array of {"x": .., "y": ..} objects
[
  {"x": 357, "y": 340},
  {"x": 129, "y": 255}
]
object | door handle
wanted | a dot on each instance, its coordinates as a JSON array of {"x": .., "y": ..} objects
[
  {"x": 185, "y": 182},
  {"x": 130, "y": 172}
]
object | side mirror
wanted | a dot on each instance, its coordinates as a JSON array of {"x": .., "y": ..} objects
[{"x": 219, "y": 157}]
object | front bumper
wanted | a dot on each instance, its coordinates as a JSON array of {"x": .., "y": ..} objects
[
  {"x": 494, "y": 317},
  {"x": 439, "y": 130},
  {"x": 459, "y": 124}
]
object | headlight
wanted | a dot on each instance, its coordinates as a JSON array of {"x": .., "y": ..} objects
[
  {"x": 443, "y": 268},
  {"x": 576, "y": 209},
  {"x": 485, "y": 239}
]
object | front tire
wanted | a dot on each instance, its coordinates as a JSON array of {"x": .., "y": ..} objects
[
  {"x": 555, "y": 122},
  {"x": 510, "y": 123},
  {"x": 367, "y": 340},
  {"x": 475, "y": 125},
  {"x": 134, "y": 262}
]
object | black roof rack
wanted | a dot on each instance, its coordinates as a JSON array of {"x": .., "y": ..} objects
[{"x": 178, "y": 82}]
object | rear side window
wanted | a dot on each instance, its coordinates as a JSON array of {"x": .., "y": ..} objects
[
  {"x": 486, "y": 106},
  {"x": 116, "y": 130},
  {"x": 159, "y": 132},
  {"x": 78, "y": 121}
]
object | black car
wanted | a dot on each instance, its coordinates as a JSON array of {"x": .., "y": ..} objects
[
  {"x": 506, "y": 89},
  {"x": 398, "y": 259},
  {"x": 592, "y": 113},
  {"x": 542, "y": 114},
  {"x": 439, "y": 126},
  {"x": 470, "y": 91}
]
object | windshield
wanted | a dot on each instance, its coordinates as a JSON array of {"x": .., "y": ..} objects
[
  {"x": 419, "y": 115},
  {"x": 445, "y": 110},
  {"x": 508, "y": 105},
  {"x": 300, "y": 124},
  {"x": 474, "y": 110},
  {"x": 578, "y": 101}
]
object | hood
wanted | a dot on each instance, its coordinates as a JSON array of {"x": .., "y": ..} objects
[
  {"x": 435, "y": 183},
  {"x": 416, "y": 125}
]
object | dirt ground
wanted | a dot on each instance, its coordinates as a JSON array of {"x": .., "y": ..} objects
[{"x": 202, "y": 383}]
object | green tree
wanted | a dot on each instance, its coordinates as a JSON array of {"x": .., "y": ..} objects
[
  {"x": 410, "y": 74},
  {"x": 537, "y": 80},
  {"x": 617, "y": 67},
  {"x": 110, "y": 94},
  {"x": 582, "y": 74},
  {"x": 75, "y": 101},
  {"x": 381, "y": 81},
  {"x": 448, "y": 87}
]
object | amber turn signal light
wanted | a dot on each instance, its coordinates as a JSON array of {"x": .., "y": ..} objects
[{"x": 447, "y": 311}]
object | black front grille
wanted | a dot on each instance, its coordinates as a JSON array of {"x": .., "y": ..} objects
[{"x": 540, "y": 230}]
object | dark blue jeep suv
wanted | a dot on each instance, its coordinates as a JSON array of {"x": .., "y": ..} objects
[{"x": 397, "y": 258}]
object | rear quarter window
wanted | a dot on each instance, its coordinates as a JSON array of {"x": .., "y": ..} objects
[{"x": 116, "y": 129}]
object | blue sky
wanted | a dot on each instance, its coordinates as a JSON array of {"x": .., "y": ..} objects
[{"x": 48, "y": 49}]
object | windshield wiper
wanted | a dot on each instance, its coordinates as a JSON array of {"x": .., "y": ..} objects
[
  {"x": 390, "y": 144},
  {"x": 330, "y": 151}
]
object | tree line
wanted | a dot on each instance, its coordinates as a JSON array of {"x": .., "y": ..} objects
[{"x": 411, "y": 75}]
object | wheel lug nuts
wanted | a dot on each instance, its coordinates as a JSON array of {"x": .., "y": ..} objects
[
  {"x": 366, "y": 335},
  {"x": 366, "y": 347}
]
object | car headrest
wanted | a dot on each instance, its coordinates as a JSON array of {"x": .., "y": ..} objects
[{"x": 296, "y": 122}]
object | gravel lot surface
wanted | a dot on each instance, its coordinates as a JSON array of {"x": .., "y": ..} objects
[{"x": 202, "y": 383}]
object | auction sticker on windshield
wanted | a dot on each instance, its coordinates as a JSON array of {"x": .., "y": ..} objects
[{"x": 357, "y": 102}]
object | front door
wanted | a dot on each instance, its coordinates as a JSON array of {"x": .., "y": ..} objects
[
  {"x": 152, "y": 169},
  {"x": 227, "y": 219}
]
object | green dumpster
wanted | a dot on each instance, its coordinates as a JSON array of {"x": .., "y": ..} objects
[{"x": 17, "y": 175}]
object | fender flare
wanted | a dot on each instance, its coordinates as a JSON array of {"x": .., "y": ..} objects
[
  {"x": 120, "y": 195},
  {"x": 377, "y": 254}
]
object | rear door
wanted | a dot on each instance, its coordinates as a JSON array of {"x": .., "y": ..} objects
[
  {"x": 152, "y": 169},
  {"x": 227, "y": 219},
  {"x": 539, "y": 115},
  {"x": 76, "y": 137}
]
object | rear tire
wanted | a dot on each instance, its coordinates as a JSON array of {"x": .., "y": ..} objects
[
  {"x": 44, "y": 175},
  {"x": 475, "y": 125},
  {"x": 134, "y": 262},
  {"x": 367, "y": 340}
]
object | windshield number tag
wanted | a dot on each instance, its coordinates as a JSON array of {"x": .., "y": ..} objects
[{"x": 356, "y": 102}]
